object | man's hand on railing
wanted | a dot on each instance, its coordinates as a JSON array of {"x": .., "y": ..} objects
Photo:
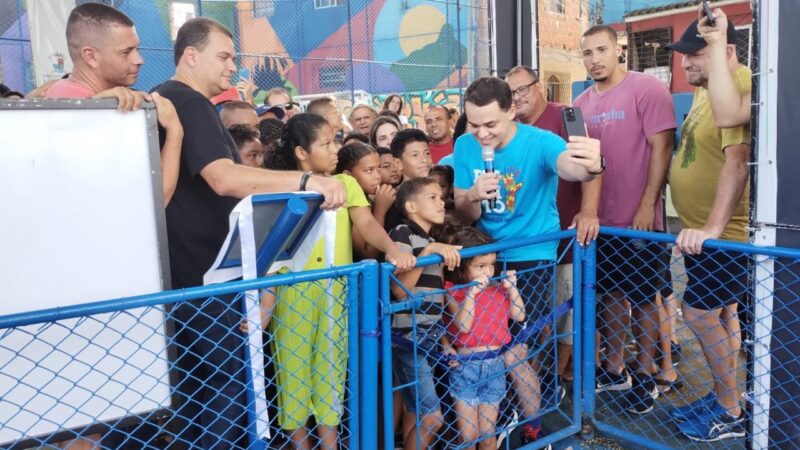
[
  {"x": 690, "y": 240},
  {"x": 588, "y": 226}
]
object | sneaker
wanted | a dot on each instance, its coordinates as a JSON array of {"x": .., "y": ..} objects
[
  {"x": 715, "y": 426},
  {"x": 642, "y": 396},
  {"x": 609, "y": 381},
  {"x": 699, "y": 407},
  {"x": 507, "y": 426},
  {"x": 530, "y": 434}
]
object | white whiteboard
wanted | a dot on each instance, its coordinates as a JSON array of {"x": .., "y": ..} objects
[{"x": 80, "y": 191}]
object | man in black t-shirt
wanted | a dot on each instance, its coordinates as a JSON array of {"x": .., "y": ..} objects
[{"x": 210, "y": 350}]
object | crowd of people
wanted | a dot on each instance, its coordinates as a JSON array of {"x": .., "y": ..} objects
[{"x": 403, "y": 193}]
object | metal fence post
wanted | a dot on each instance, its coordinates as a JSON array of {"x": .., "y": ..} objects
[
  {"x": 588, "y": 332},
  {"x": 386, "y": 357},
  {"x": 577, "y": 321},
  {"x": 370, "y": 334}
]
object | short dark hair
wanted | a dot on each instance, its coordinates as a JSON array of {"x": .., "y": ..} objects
[
  {"x": 194, "y": 33},
  {"x": 355, "y": 137},
  {"x": 384, "y": 151},
  {"x": 447, "y": 171},
  {"x": 597, "y": 29},
  {"x": 467, "y": 237},
  {"x": 270, "y": 130},
  {"x": 409, "y": 190},
  {"x": 316, "y": 106},
  {"x": 235, "y": 105},
  {"x": 526, "y": 69},
  {"x": 243, "y": 134},
  {"x": 97, "y": 16},
  {"x": 486, "y": 90},
  {"x": 405, "y": 137}
]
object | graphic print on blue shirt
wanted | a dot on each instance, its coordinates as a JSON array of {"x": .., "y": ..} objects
[
  {"x": 507, "y": 200},
  {"x": 526, "y": 205}
]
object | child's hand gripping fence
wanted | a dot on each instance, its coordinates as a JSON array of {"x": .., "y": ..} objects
[
  {"x": 485, "y": 374},
  {"x": 176, "y": 375},
  {"x": 696, "y": 351}
]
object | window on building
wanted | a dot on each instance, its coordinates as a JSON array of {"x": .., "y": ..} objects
[
  {"x": 320, "y": 4},
  {"x": 333, "y": 78},
  {"x": 263, "y": 8},
  {"x": 179, "y": 13},
  {"x": 557, "y": 6},
  {"x": 647, "y": 49},
  {"x": 743, "y": 45}
]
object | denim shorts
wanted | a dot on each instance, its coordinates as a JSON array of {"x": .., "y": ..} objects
[
  {"x": 479, "y": 381},
  {"x": 409, "y": 368}
]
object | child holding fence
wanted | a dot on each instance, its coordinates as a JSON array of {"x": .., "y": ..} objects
[
  {"x": 422, "y": 206},
  {"x": 477, "y": 322},
  {"x": 361, "y": 161},
  {"x": 309, "y": 325}
]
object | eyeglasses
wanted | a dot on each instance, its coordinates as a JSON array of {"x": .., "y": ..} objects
[{"x": 523, "y": 90}]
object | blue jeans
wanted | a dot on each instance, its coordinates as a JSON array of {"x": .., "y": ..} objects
[
  {"x": 479, "y": 381},
  {"x": 410, "y": 368}
]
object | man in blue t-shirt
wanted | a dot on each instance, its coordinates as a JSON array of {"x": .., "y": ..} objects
[{"x": 527, "y": 164}]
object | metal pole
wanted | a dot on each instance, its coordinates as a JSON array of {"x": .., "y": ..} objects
[
  {"x": 350, "y": 52},
  {"x": 370, "y": 301},
  {"x": 588, "y": 336}
]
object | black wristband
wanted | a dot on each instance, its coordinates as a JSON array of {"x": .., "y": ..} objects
[{"x": 304, "y": 180}]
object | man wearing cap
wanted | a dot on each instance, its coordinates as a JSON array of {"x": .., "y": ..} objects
[
  {"x": 709, "y": 182},
  {"x": 271, "y": 112},
  {"x": 631, "y": 113}
]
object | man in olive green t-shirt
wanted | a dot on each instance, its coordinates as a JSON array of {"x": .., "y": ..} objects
[{"x": 709, "y": 186}]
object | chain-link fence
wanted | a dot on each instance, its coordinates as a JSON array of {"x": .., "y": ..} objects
[
  {"x": 177, "y": 370},
  {"x": 692, "y": 347},
  {"x": 472, "y": 361},
  {"x": 357, "y": 51},
  {"x": 16, "y": 61}
]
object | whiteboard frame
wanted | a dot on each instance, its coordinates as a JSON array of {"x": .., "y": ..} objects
[
  {"x": 154, "y": 153},
  {"x": 151, "y": 123}
]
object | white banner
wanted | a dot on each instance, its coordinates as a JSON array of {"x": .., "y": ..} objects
[{"x": 48, "y": 25}]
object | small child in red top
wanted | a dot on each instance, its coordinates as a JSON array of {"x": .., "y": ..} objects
[{"x": 478, "y": 322}]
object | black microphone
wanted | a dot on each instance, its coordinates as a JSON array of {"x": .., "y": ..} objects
[{"x": 487, "y": 153}]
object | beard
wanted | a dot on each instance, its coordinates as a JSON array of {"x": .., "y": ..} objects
[
  {"x": 600, "y": 79},
  {"x": 700, "y": 80}
]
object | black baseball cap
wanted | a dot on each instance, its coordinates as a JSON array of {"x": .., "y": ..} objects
[{"x": 691, "y": 41}]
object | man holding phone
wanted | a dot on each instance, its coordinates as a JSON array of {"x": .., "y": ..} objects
[
  {"x": 527, "y": 164},
  {"x": 632, "y": 115}
]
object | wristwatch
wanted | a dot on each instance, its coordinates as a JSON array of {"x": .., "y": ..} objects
[{"x": 602, "y": 166}]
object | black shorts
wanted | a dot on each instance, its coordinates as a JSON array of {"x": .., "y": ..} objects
[
  {"x": 535, "y": 284},
  {"x": 715, "y": 279},
  {"x": 631, "y": 266},
  {"x": 666, "y": 289}
]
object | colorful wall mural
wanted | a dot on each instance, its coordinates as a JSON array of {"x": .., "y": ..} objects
[{"x": 378, "y": 46}]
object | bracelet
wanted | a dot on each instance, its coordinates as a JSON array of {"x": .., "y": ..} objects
[{"x": 304, "y": 180}]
